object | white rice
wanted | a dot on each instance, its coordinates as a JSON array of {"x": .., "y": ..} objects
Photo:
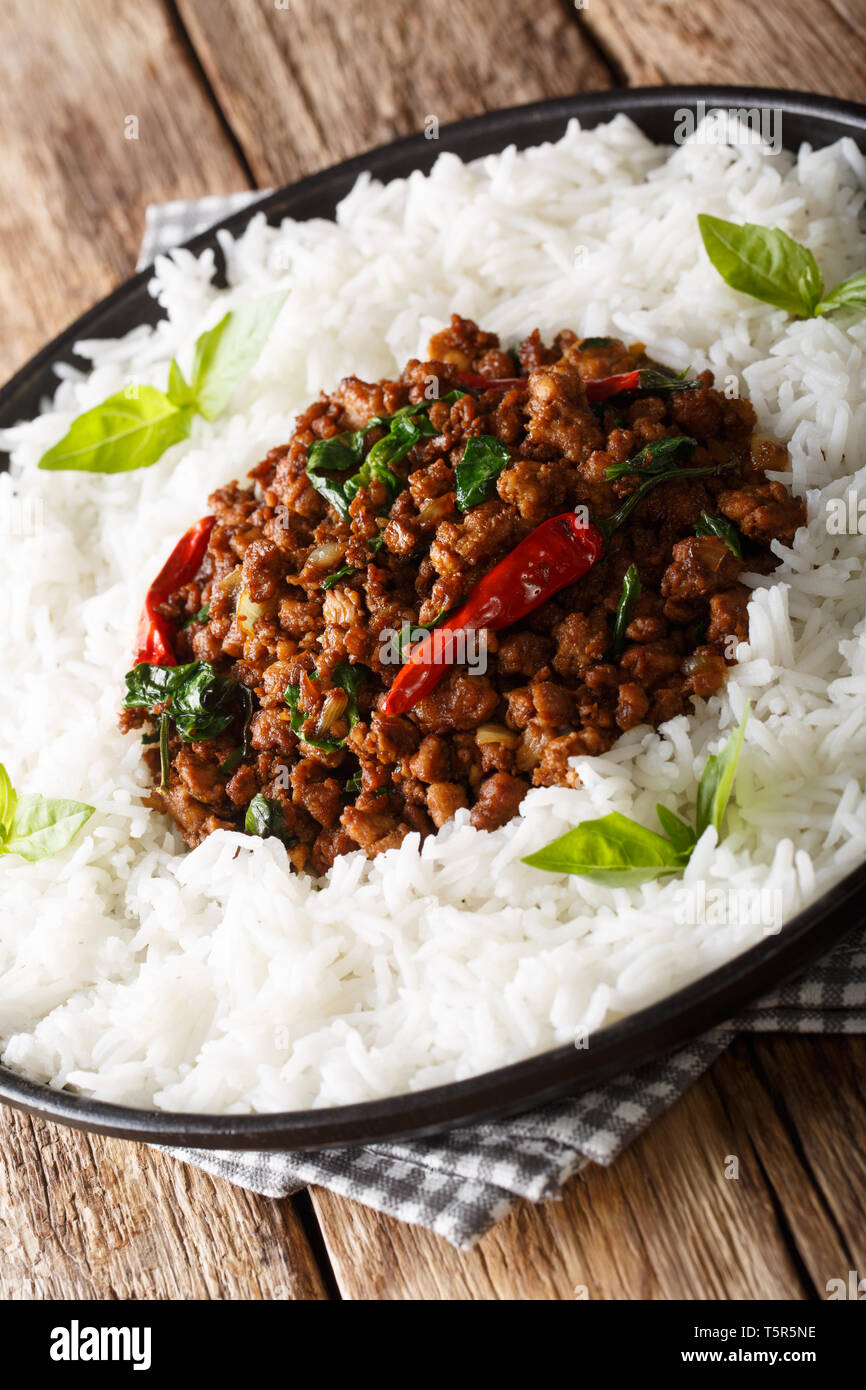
[{"x": 219, "y": 981}]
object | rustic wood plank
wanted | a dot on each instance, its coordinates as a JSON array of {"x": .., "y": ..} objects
[
  {"x": 817, "y": 45},
  {"x": 313, "y": 81},
  {"x": 817, "y": 1086},
  {"x": 86, "y": 1217},
  {"x": 71, "y": 74},
  {"x": 663, "y": 1222},
  {"x": 83, "y": 1216}
]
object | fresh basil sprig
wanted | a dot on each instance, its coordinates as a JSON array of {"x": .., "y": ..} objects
[
  {"x": 618, "y": 851},
  {"x": 405, "y": 428},
  {"x": 133, "y": 428},
  {"x": 130, "y": 430},
  {"x": 484, "y": 458},
  {"x": 767, "y": 264},
  {"x": 656, "y": 457},
  {"x": 225, "y": 353},
  {"x": 717, "y": 780},
  {"x": 35, "y": 827},
  {"x": 614, "y": 850},
  {"x": 709, "y": 524},
  {"x": 629, "y": 596}
]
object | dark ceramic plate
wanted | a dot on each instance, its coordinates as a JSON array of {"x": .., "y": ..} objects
[{"x": 642, "y": 1036}]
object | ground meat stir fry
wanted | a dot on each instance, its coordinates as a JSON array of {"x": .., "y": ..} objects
[{"x": 296, "y": 602}]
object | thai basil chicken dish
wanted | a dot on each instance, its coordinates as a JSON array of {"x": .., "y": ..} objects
[{"x": 447, "y": 586}]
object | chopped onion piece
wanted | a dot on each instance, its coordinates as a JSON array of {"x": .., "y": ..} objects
[{"x": 497, "y": 733}]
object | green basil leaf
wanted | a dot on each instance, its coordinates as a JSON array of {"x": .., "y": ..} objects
[
  {"x": 657, "y": 457},
  {"x": 264, "y": 818},
  {"x": 124, "y": 433},
  {"x": 335, "y": 578},
  {"x": 298, "y": 720},
  {"x": 148, "y": 685},
  {"x": 226, "y": 352},
  {"x": 350, "y": 678},
  {"x": 200, "y": 617},
  {"x": 403, "y": 434},
  {"x": 164, "y": 749},
  {"x": 717, "y": 780},
  {"x": 711, "y": 525},
  {"x": 653, "y": 379},
  {"x": 344, "y": 451},
  {"x": 235, "y": 758},
  {"x": 614, "y": 850},
  {"x": 631, "y": 587},
  {"x": 587, "y": 343},
  {"x": 763, "y": 262},
  {"x": 201, "y": 703},
  {"x": 180, "y": 392},
  {"x": 42, "y": 826},
  {"x": 483, "y": 460},
  {"x": 851, "y": 294},
  {"x": 205, "y": 704},
  {"x": 680, "y": 834},
  {"x": 336, "y": 455},
  {"x": 8, "y": 802},
  {"x": 409, "y": 634},
  {"x": 608, "y": 524}
]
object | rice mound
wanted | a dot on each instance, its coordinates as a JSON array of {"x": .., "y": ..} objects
[{"x": 217, "y": 980}]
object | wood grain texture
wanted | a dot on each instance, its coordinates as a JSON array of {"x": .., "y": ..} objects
[
  {"x": 280, "y": 90},
  {"x": 818, "y": 1089},
  {"x": 663, "y": 1222},
  {"x": 71, "y": 73},
  {"x": 313, "y": 81},
  {"x": 87, "y": 1217},
  {"x": 814, "y": 45}
]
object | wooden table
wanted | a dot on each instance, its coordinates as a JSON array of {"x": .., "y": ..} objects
[{"x": 231, "y": 94}]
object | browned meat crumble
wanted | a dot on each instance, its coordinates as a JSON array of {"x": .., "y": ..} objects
[{"x": 554, "y": 687}]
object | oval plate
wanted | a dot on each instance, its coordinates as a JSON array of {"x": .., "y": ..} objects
[{"x": 643, "y": 1035}]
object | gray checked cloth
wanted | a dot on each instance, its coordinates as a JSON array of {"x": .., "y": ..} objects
[{"x": 459, "y": 1184}]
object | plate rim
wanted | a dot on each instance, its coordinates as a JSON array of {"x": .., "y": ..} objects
[{"x": 663, "y": 1026}]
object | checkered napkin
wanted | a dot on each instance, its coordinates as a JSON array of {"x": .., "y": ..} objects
[{"x": 459, "y": 1184}]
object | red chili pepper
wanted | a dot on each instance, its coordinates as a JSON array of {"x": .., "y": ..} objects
[
  {"x": 596, "y": 390},
  {"x": 155, "y": 639},
  {"x": 604, "y": 386},
  {"x": 555, "y": 554}
]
